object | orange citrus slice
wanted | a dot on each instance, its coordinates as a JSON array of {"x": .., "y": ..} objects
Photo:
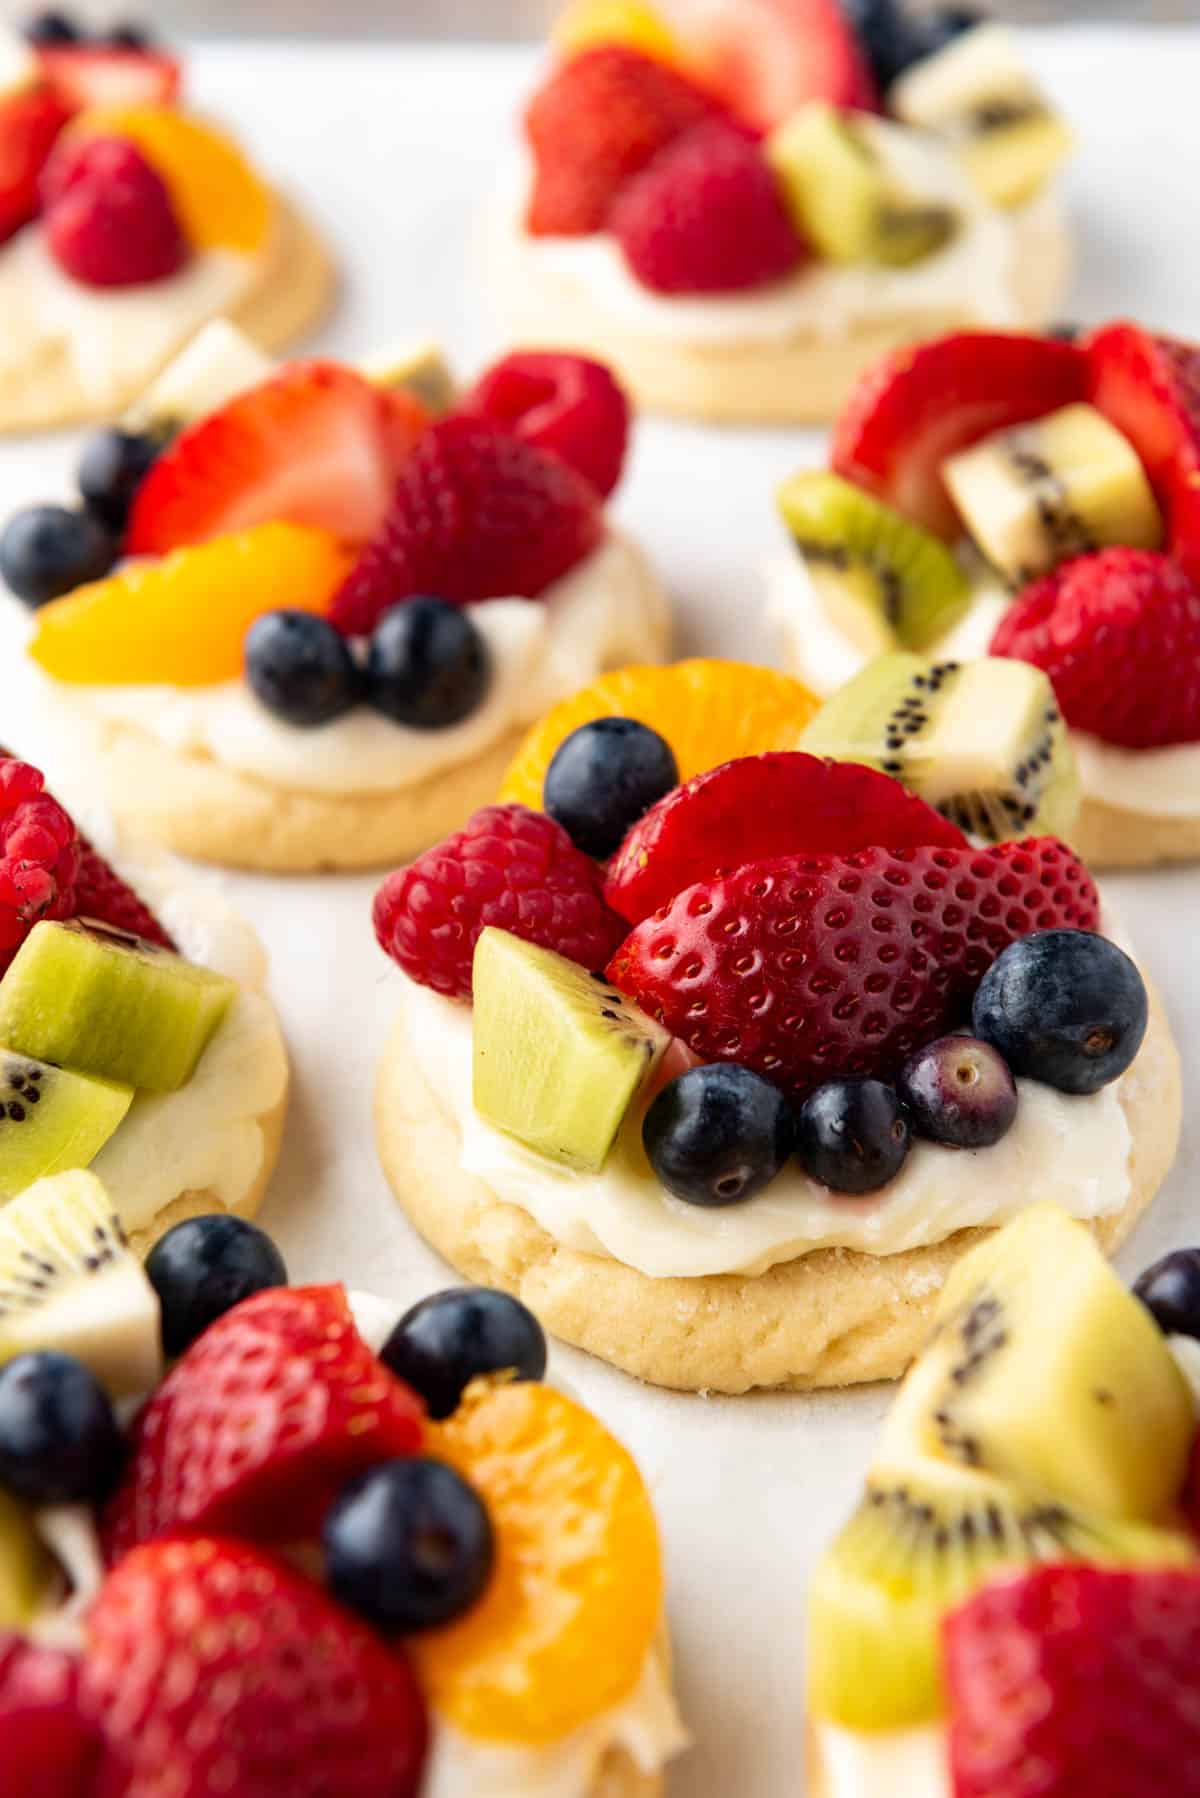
[
  {"x": 564, "y": 1627},
  {"x": 709, "y": 711},
  {"x": 183, "y": 621},
  {"x": 589, "y": 24}
]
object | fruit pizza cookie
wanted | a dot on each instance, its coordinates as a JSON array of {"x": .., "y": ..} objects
[
  {"x": 288, "y": 1542},
  {"x": 126, "y": 223},
  {"x": 1027, "y": 499},
  {"x": 1013, "y": 1610},
  {"x": 741, "y": 203},
  {"x": 720, "y": 1053},
  {"x": 304, "y": 614}
]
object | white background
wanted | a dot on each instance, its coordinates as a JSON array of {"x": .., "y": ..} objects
[{"x": 394, "y": 151}]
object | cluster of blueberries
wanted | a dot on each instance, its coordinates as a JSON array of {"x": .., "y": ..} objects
[
  {"x": 50, "y": 28},
  {"x": 46, "y": 551}
]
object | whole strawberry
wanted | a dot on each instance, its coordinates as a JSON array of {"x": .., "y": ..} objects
[
  {"x": 109, "y": 217},
  {"x": 39, "y": 856},
  {"x": 507, "y": 866},
  {"x": 1107, "y": 628},
  {"x": 214, "y": 1668},
  {"x": 566, "y": 404},
  {"x": 47, "y": 1747},
  {"x": 816, "y": 967}
]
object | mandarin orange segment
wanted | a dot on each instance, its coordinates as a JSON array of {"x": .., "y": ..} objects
[
  {"x": 183, "y": 621},
  {"x": 709, "y": 711},
  {"x": 575, "y": 1599},
  {"x": 221, "y": 202}
]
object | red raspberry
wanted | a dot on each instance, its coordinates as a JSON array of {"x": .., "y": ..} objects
[
  {"x": 109, "y": 218},
  {"x": 562, "y": 403},
  {"x": 507, "y": 866},
  {"x": 1076, "y": 1682},
  {"x": 39, "y": 856},
  {"x": 1119, "y": 635},
  {"x": 476, "y": 514},
  {"x": 46, "y": 1747},
  {"x": 100, "y": 893},
  {"x": 815, "y": 967},
  {"x": 596, "y": 123},
  {"x": 707, "y": 217},
  {"x": 29, "y": 124}
]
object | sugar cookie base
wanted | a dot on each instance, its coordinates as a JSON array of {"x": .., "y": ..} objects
[
  {"x": 835, "y": 1317},
  {"x": 1113, "y": 836}
]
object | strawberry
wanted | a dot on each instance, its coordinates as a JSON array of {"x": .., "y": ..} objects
[
  {"x": 767, "y": 58},
  {"x": 919, "y": 406},
  {"x": 476, "y": 514},
  {"x": 1149, "y": 387},
  {"x": 84, "y": 75},
  {"x": 707, "y": 216},
  {"x": 47, "y": 1749},
  {"x": 29, "y": 125},
  {"x": 757, "y": 809},
  {"x": 315, "y": 444},
  {"x": 261, "y": 1422},
  {"x": 109, "y": 218},
  {"x": 213, "y": 1667},
  {"x": 1105, "y": 627},
  {"x": 813, "y": 967},
  {"x": 594, "y": 124},
  {"x": 559, "y": 402},
  {"x": 1072, "y": 1681},
  {"x": 100, "y": 893}
]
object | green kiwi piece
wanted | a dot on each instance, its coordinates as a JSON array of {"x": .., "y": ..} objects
[
  {"x": 983, "y": 741},
  {"x": 883, "y": 580},
  {"x": 26, "y": 1570},
  {"x": 52, "y": 1120},
  {"x": 559, "y": 1055},
  {"x": 103, "y": 1002}
]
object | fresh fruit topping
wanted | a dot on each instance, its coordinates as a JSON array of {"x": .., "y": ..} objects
[
  {"x": 895, "y": 35},
  {"x": 184, "y": 620},
  {"x": 428, "y": 665},
  {"x": 101, "y": 895},
  {"x": 589, "y": 24},
  {"x": 1075, "y": 1679},
  {"x": 985, "y": 746},
  {"x": 562, "y": 403},
  {"x": 29, "y": 126},
  {"x": 507, "y": 866},
  {"x": 214, "y": 1665},
  {"x": 96, "y": 1000},
  {"x": 451, "y": 1338},
  {"x": 919, "y": 406},
  {"x": 52, "y": 28},
  {"x": 60, "y": 1443},
  {"x": 959, "y": 1091},
  {"x": 316, "y": 444},
  {"x": 1170, "y": 1290},
  {"x": 757, "y": 809},
  {"x": 408, "y": 1545},
  {"x": 766, "y": 58},
  {"x": 821, "y": 966},
  {"x": 708, "y": 711},
  {"x": 39, "y": 856},
  {"x": 109, "y": 219},
  {"x": 852, "y": 1135},
  {"x": 52, "y": 1120},
  {"x": 90, "y": 1298},
  {"x": 211, "y": 369},
  {"x": 1065, "y": 1007},
  {"x": 113, "y": 466},
  {"x": 46, "y": 1745},
  {"x": 46, "y": 551},
  {"x": 84, "y": 75},
  {"x": 718, "y": 1135},
  {"x": 27, "y": 1575},
  {"x": 562, "y": 1632},
  {"x": 558, "y": 1056},
  {"x": 594, "y": 124},
  {"x": 266, "y": 1416},
  {"x": 300, "y": 668},
  {"x": 205, "y": 1266},
  {"x": 475, "y": 514},
  {"x": 1040, "y": 493},
  {"x": 420, "y": 368},
  {"x": 128, "y": 37},
  {"x": 707, "y": 216},
  {"x": 603, "y": 778}
]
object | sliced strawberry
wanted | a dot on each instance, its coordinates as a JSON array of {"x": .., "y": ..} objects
[
  {"x": 47, "y": 1749},
  {"x": 316, "y": 444},
  {"x": 766, "y": 58},
  {"x": 758, "y": 808},
  {"x": 921, "y": 405},
  {"x": 29, "y": 125},
  {"x": 96, "y": 75}
]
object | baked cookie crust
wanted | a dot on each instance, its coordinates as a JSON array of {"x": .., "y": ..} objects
[{"x": 1113, "y": 836}]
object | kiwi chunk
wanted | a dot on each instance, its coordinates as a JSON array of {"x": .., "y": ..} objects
[
  {"x": 882, "y": 580},
  {"x": 559, "y": 1055},
  {"x": 421, "y": 369},
  {"x": 70, "y": 1281},
  {"x": 103, "y": 1002},
  {"x": 26, "y": 1570},
  {"x": 51, "y": 1120},
  {"x": 212, "y": 368},
  {"x": 984, "y": 741},
  {"x": 1063, "y": 486}
]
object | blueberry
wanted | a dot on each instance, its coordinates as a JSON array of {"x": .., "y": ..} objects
[
  {"x": 603, "y": 777},
  {"x": 53, "y": 28},
  {"x": 203, "y": 1268},
  {"x": 959, "y": 1091},
  {"x": 46, "y": 551},
  {"x": 408, "y": 1544},
  {"x": 852, "y": 1135},
  {"x": 717, "y": 1135},
  {"x": 1170, "y": 1291},
  {"x": 1065, "y": 331},
  {"x": 112, "y": 468},
  {"x": 59, "y": 1440},
  {"x": 128, "y": 37},
  {"x": 895, "y": 35},
  {"x": 427, "y": 665},
  {"x": 1066, "y": 1007},
  {"x": 300, "y": 668},
  {"x": 449, "y": 1339}
]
